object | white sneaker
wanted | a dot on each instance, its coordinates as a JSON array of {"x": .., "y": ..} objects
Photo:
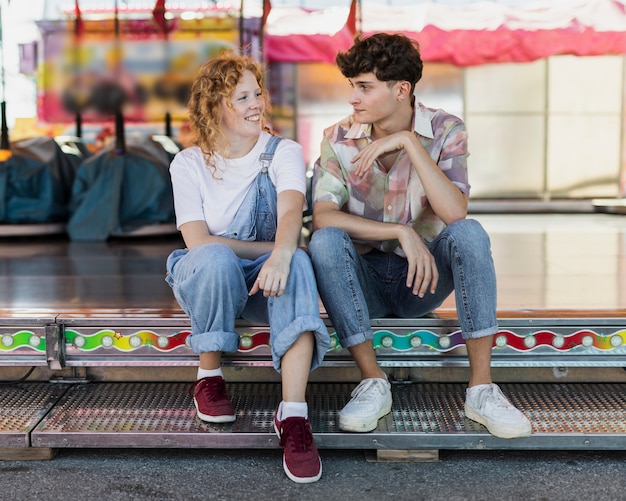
[
  {"x": 371, "y": 400},
  {"x": 489, "y": 407}
]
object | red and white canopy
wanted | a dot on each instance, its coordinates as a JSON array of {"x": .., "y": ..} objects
[{"x": 465, "y": 34}]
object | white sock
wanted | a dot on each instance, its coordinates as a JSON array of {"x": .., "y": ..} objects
[
  {"x": 202, "y": 373},
  {"x": 292, "y": 409}
]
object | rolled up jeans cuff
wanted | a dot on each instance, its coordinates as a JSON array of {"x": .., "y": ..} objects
[
  {"x": 284, "y": 340},
  {"x": 489, "y": 331},
  {"x": 214, "y": 341},
  {"x": 354, "y": 339}
]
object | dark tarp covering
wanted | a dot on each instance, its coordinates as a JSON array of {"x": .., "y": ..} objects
[
  {"x": 36, "y": 182},
  {"x": 117, "y": 193}
]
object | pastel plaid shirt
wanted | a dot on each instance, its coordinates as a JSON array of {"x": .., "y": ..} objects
[{"x": 396, "y": 196}]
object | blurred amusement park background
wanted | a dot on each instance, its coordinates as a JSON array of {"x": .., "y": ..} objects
[{"x": 94, "y": 96}]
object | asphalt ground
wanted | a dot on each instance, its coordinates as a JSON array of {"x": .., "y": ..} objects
[{"x": 157, "y": 474}]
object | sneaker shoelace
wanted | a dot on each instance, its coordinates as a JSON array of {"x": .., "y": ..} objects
[
  {"x": 213, "y": 388},
  {"x": 362, "y": 394},
  {"x": 296, "y": 433},
  {"x": 498, "y": 398}
]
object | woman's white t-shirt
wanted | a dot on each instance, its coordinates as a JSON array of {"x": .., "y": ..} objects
[{"x": 198, "y": 196}]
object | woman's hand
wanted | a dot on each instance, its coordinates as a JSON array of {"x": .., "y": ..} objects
[{"x": 272, "y": 278}]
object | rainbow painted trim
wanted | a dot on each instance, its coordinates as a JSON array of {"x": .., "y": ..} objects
[
  {"x": 383, "y": 339},
  {"x": 22, "y": 339},
  {"x": 502, "y": 339}
]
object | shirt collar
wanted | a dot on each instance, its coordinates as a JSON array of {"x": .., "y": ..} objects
[
  {"x": 422, "y": 121},
  {"x": 358, "y": 131},
  {"x": 421, "y": 124}
]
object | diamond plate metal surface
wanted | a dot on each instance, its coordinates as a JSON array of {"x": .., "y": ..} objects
[
  {"x": 156, "y": 407},
  {"x": 424, "y": 415},
  {"x": 22, "y": 406}
]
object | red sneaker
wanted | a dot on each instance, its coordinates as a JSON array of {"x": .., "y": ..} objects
[
  {"x": 211, "y": 400},
  {"x": 301, "y": 461}
]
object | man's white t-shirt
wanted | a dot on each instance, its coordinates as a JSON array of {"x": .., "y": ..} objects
[{"x": 198, "y": 196}]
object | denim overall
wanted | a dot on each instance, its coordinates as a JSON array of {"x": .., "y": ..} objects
[
  {"x": 256, "y": 217},
  {"x": 211, "y": 283}
]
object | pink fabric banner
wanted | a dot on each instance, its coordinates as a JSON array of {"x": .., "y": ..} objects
[{"x": 464, "y": 36}]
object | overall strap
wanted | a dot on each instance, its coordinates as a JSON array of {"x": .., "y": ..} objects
[{"x": 266, "y": 157}]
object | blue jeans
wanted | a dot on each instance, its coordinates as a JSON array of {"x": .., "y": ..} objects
[
  {"x": 356, "y": 287},
  {"x": 211, "y": 284}
]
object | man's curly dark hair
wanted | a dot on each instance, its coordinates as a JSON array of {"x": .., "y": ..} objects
[{"x": 391, "y": 57}]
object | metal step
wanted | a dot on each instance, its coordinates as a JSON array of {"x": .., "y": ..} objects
[
  {"x": 22, "y": 407},
  {"x": 575, "y": 416}
]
